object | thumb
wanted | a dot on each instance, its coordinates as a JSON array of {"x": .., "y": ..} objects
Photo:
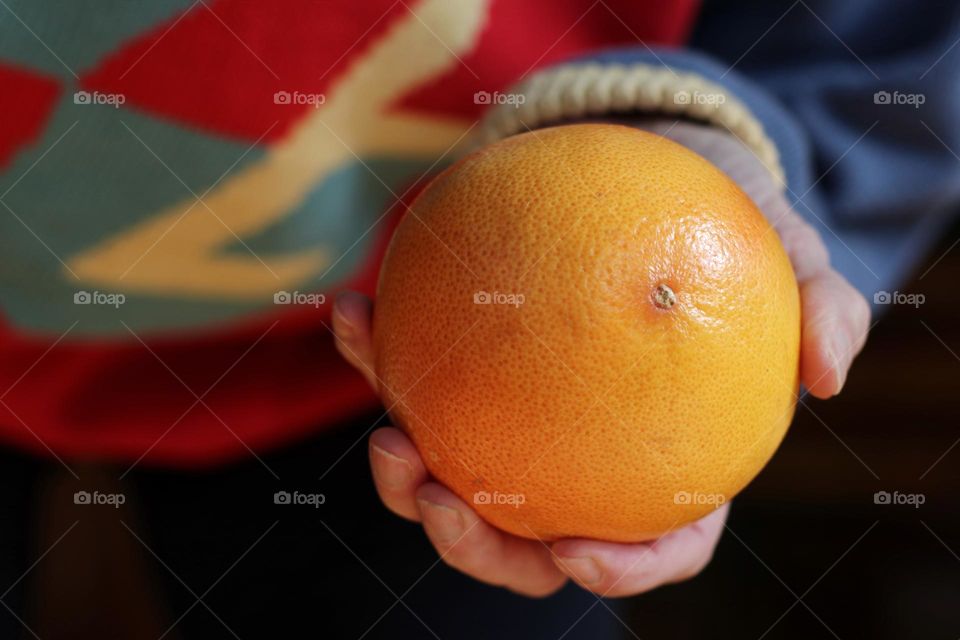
[{"x": 352, "y": 327}]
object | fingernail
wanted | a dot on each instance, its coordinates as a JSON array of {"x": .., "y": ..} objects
[
  {"x": 585, "y": 570},
  {"x": 344, "y": 297},
  {"x": 391, "y": 471},
  {"x": 343, "y": 301},
  {"x": 445, "y": 523},
  {"x": 342, "y": 327}
]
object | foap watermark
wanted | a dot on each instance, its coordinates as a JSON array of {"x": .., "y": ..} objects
[
  {"x": 912, "y": 99},
  {"x": 498, "y": 297},
  {"x": 698, "y": 498},
  {"x": 298, "y": 297},
  {"x": 96, "y": 498},
  {"x": 496, "y": 498},
  {"x": 99, "y": 298},
  {"x": 699, "y": 97},
  {"x": 96, "y": 97},
  {"x": 496, "y": 97},
  {"x": 912, "y": 299},
  {"x": 912, "y": 499},
  {"x": 309, "y": 499},
  {"x": 298, "y": 98}
]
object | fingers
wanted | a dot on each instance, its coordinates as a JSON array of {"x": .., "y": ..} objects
[
  {"x": 463, "y": 540},
  {"x": 478, "y": 549},
  {"x": 397, "y": 471},
  {"x": 802, "y": 242},
  {"x": 836, "y": 319},
  {"x": 352, "y": 326},
  {"x": 615, "y": 570}
]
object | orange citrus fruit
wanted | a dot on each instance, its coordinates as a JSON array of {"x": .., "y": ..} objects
[{"x": 588, "y": 331}]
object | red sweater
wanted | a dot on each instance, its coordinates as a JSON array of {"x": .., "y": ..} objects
[{"x": 165, "y": 176}]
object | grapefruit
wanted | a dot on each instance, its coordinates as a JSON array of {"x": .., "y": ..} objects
[{"x": 588, "y": 331}]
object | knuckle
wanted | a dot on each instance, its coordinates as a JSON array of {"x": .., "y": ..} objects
[
  {"x": 467, "y": 553},
  {"x": 454, "y": 553},
  {"x": 855, "y": 305},
  {"x": 800, "y": 238}
]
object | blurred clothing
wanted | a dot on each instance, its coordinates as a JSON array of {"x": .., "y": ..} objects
[{"x": 187, "y": 185}]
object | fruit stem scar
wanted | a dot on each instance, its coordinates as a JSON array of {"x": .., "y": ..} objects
[{"x": 664, "y": 297}]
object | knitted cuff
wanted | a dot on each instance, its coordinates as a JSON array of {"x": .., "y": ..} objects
[{"x": 577, "y": 91}]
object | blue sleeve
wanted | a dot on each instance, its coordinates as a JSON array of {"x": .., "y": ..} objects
[{"x": 863, "y": 108}]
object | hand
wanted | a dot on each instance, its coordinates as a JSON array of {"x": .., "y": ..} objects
[
  {"x": 835, "y": 323},
  {"x": 490, "y": 555}
]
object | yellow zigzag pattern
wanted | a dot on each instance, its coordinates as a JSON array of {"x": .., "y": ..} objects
[{"x": 177, "y": 250}]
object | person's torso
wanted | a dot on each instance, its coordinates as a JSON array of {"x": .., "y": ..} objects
[{"x": 184, "y": 186}]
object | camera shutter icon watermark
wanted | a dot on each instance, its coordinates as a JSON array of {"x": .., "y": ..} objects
[
  {"x": 698, "y": 498},
  {"x": 300, "y": 298},
  {"x": 497, "y": 297},
  {"x": 114, "y": 500},
  {"x": 497, "y": 498},
  {"x": 298, "y": 98},
  {"x": 498, "y": 98},
  {"x": 103, "y": 298},
  {"x": 699, "y": 98},
  {"x": 896, "y": 498},
  {"x": 897, "y": 98},
  {"x": 297, "y": 498},
  {"x": 114, "y": 100},
  {"x": 910, "y": 299}
]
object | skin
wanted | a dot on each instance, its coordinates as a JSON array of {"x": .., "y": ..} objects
[{"x": 835, "y": 322}]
